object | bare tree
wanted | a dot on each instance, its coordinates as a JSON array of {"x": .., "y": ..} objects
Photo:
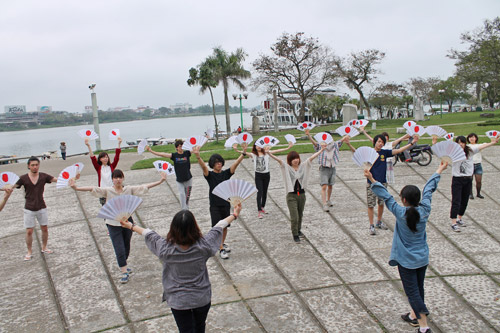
[{"x": 424, "y": 88}]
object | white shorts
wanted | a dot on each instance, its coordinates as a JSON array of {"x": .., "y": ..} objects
[{"x": 30, "y": 216}]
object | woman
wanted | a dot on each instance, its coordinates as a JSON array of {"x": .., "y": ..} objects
[
  {"x": 260, "y": 159},
  {"x": 296, "y": 177},
  {"x": 410, "y": 251},
  {"x": 120, "y": 237},
  {"x": 473, "y": 140},
  {"x": 184, "y": 254},
  {"x": 63, "y": 150}
]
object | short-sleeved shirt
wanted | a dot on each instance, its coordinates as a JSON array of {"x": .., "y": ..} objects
[
  {"x": 379, "y": 168},
  {"x": 182, "y": 166},
  {"x": 465, "y": 168},
  {"x": 215, "y": 179},
  {"x": 34, "y": 192},
  {"x": 260, "y": 163}
]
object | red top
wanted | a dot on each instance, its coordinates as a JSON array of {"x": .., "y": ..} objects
[{"x": 97, "y": 166}]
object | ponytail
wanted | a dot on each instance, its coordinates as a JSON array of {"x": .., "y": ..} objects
[
  {"x": 411, "y": 194},
  {"x": 412, "y": 218}
]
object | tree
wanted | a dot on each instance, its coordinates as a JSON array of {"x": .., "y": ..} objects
[
  {"x": 358, "y": 69},
  {"x": 299, "y": 64},
  {"x": 424, "y": 88},
  {"x": 228, "y": 68},
  {"x": 322, "y": 107},
  {"x": 388, "y": 96},
  {"x": 454, "y": 89}
]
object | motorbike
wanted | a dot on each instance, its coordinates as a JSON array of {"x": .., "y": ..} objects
[{"x": 421, "y": 154}]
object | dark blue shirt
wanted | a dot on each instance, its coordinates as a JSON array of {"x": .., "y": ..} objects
[{"x": 379, "y": 168}]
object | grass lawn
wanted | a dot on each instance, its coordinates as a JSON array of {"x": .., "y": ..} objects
[{"x": 460, "y": 123}]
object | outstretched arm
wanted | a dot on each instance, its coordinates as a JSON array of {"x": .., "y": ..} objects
[
  {"x": 397, "y": 141},
  {"x": 119, "y": 142},
  {"x": 163, "y": 176},
  {"x": 347, "y": 141},
  {"x": 402, "y": 149},
  {"x": 290, "y": 145},
  {"x": 489, "y": 144},
  {"x": 362, "y": 130},
  {"x": 316, "y": 154},
  {"x": 8, "y": 192},
  {"x": 91, "y": 153},
  {"x": 275, "y": 158},
  {"x": 72, "y": 184},
  {"x": 204, "y": 168},
  {"x": 167, "y": 155},
  {"x": 310, "y": 137},
  {"x": 233, "y": 167}
]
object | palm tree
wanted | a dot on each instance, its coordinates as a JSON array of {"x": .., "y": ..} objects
[{"x": 228, "y": 68}]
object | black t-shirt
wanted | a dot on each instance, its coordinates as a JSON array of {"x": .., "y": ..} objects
[
  {"x": 182, "y": 166},
  {"x": 34, "y": 192},
  {"x": 215, "y": 179}
]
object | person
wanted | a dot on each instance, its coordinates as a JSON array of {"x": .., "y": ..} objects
[
  {"x": 379, "y": 171},
  {"x": 182, "y": 166},
  {"x": 410, "y": 251},
  {"x": 184, "y": 254},
  {"x": 238, "y": 130},
  {"x": 34, "y": 207},
  {"x": 63, "y": 150},
  {"x": 260, "y": 159},
  {"x": 120, "y": 237},
  {"x": 296, "y": 179},
  {"x": 461, "y": 181},
  {"x": 473, "y": 141},
  {"x": 8, "y": 192},
  {"x": 219, "y": 208},
  {"x": 327, "y": 160}
]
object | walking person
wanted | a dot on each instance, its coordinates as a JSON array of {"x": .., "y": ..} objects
[
  {"x": 34, "y": 207},
  {"x": 62, "y": 147},
  {"x": 182, "y": 166},
  {"x": 473, "y": 141},
  {"x": 296, "y": 178},
  {"x": 410, "y": 251},
  {"x": 120, "y": 237},
  {"x": 184, "y": 254},
  {"x": 219, "y": 208}
]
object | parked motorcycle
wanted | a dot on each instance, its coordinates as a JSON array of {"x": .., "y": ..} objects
[{"x": 421, "y": 154}]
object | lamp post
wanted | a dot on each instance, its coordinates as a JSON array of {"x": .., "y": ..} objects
[
  {"x": 441, "y": 92},
  {"x": 241, "y": 97},
  {"x": 95, "y": 116}
]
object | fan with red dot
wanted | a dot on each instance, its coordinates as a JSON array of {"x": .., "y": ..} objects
[
  {"x": 197, "y": 140},
  {"x": 65, "y": 175},
  {"x": 88, "y": 134}
]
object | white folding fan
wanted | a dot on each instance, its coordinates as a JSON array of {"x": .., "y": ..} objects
[
  {"x": 234, "y": 190},
  {"x": 244, "y": 137},
  {"x": 448, "y": 151},
  {"x": 114, "y": 134},
  {"x": 290, "y": 138},
  {"x": 305, "y": 125},
  {"x": 408, "y": 124},
  {"x": 8, "y": 179},
  {"x": 210, "y": 133},
  {"x": 80, "y": 166},
  {"x": 492, "y": 134},
  {"x": 358, "y": 123},
  {"x": 88, "y": 134},
  {"x": 197, "y": 140},
  {"x": 449, "y": 136},
  {"x": 120, "y": 207},
  {"x": 66, "y": 175},
  {"x": 230, "y": 141},
  {"x": 267, "y": 140},
  {"x": 323, "y": 137},
  {"x": 435, "y": 131},
  {"x": 416, "y": 130},
  {"x": 365, "y": 157},
  {"x": 164, "y": 166},
  {"x": 141, "y": 146},
  {"x": 347, "y": 130}
]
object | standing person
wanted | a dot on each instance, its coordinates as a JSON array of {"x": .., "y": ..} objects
[
  {"x": 34, "y": 207},
  {"x": 63, "y": 150},
  {"x": 328, "y": 159},
  {"x": 260, "y": 159},
  {"x": 8, "y": 192},
  {"x": 184, "y": 254},
  {"x": 473, "y": 142},
  {"x": 461, "y": 182},
  {"x": 296, "y": 178},
  {"x": 379, "y": 172},
  {"x": 410, "y": 251},
  {"x": 182, "y": 166},
  {"x": 219, "y": 208},
  {"x": 120, "y": 237}
]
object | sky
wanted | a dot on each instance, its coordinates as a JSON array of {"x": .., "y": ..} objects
[{"x": 140, "y": 52}]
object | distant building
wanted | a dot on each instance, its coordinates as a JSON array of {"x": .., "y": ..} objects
[
  {"x": 181, "y": 107},
  {"x": 15, "y": 109},
  {"x": 44, "y": 109}
]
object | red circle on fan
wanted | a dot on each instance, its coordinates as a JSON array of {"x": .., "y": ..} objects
[
  {"x": 192, "y": 140},
  {"x": 5, "y": 177},
  {"x": 245, "y": 136},
  {"x": 417, "y": 129},
  {"x": 165, "y": 166},
  {"x": 266, "y": 139},
  {"x": 494, "y": 133},
  {"x": 304, "y": 125},
  {"x": 65, "y": 175},
  {"x": 324, "y": 136},
  {"x": 88, "y": 132},
  {"x": 113, "y": 132},
  {"x": 77, "y": 165},
  {"x": 347, "y": 129}
]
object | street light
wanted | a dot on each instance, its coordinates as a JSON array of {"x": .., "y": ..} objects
[
  {"x": 241, "y": 97},
  {"x": 95, "y": 116},
  {"x": 441, "y": 92}
]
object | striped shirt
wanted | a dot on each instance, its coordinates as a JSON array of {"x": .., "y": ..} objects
[{"x": 330, "y": 156}]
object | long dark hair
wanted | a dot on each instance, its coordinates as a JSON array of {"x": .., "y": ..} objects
[
  {"x": 411, "y": 194},
  {"x": 184, "y": 230},
  {"x": 462, "y": 139},
  {"x": 256, "y": 152},
  {"x": 472, "y": 135},
  {"x": 101, "y": 155}
]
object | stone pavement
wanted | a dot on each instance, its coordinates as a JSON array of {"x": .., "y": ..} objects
[{"x": 336, "y": 280}]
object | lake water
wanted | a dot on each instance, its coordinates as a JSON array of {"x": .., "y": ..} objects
[{"x": 38, "y": 141}]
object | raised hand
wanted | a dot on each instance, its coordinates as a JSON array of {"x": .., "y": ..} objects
[
  {"x": 442, "y": 167},
  {"x": 237, "y": 209}
]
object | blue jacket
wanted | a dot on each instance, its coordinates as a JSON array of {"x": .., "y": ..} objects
[{"x": 409, "y": 249}]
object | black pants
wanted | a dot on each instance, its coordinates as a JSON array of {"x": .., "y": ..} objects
[
  {"x": 120, "y": 238},
  {"x": 192, "y": 320},
  {"x": 413, "y": 284},
  {"x": 460, "y": 192},
  {"x": 262, "y": 183}
]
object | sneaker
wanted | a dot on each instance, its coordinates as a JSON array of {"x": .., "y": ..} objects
[
  {"x": 471, "y": 197},
  {"x": 372, "y": 230},
  {"x": 325, "y": 208},
  {"x": 428, "y": 330},
  {"x": 124, "y": 279},
  {"x": 455, "y": 227},
  {"x": 301, "y": 234},
  {"x": 223, "y": 254},
  {"x": 263, "y": 211},
  {"x": 296, "y": 239},
  {"x": 129, "y": 271},
  {"x": 260, "y": 216},
  {"x": 329, "y": 203},
  {"x": 461, "y": 223},
  {"x": 381, "y": 225},
  {"x": 412, "y": 322},
  {"x": 226, "y": 247},
  {"x": 479, "y": 196}
]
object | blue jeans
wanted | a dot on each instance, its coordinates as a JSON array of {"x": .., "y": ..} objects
[
  {"x": 120, "y": 238},
  {"x": 192, "y": 320},
  {"x": 413, "y": 284}
]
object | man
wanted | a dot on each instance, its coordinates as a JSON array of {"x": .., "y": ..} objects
[
  {"x": 378, "y": 170},
  {"x": 327, "y": 160},
  {"x": 219, "y": 208},
  {"x": 34, "y": 207}
]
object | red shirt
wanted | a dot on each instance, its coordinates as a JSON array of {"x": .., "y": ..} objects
[{"x": 113, "y": 165}]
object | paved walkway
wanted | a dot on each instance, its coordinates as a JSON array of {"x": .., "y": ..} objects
[{"x": 336, "y": 280}]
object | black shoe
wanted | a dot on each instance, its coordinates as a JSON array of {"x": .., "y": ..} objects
[
  {"x": 296, "y": 239},
  {"x": 480, "y": 196},
  {"x": 412, "y": 322},
  {"x": 301, "y": 234}
]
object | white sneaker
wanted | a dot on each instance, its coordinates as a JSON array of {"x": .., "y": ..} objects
[
  {"x": 325, "y": 208},
  {"x": 226, "y": 247},
  {"x": 329, "y": 203},
  {"x": 224, "y": 254},
  {"x": 455, "y": 227},
  {"x": 372, "y": 230}
]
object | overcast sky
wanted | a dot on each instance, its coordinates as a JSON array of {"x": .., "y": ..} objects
[{"x": 139, "y": 52}]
